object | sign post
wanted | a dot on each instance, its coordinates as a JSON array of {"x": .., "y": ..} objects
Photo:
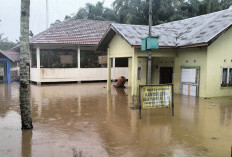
[
  {"x": 156, "y": 96},
  {"x": 149, "y": 43},
  {"x": 149, "y": 57}
]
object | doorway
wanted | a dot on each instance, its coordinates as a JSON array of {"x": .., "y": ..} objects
[
  {"x": 166, "y": 75},
  {"x": 189, "y": 81}
]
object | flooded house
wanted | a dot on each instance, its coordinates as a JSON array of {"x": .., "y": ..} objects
[
  {"x": 194, "y": 54},
  {"x": 66, "y": 52}
]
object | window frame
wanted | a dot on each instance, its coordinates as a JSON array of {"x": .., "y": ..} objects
[
  {"x": 139, "y": 74},
  {"x": 227, "y": 77},
  {"x": 121, "y": 62}
]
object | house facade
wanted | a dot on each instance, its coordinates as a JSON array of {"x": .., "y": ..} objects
[
  {"x": 195, "y": 54},
  {"x": 67, "y": 52}
]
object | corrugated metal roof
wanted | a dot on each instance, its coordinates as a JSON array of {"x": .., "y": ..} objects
[
  {"x": 80, "y": 32},
  {"x": 11, "y": 54},
  {"x": 192, "y": 31}
]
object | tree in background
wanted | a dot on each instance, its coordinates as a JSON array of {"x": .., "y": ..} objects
[
  {"x": 5, "y": 44},
  {"x": 55, "y": 23},
  {"x": 31, "y": 34},
  {"x": 136, "y": 11},
  {"x": 191, "y": 8},
  {"x": 24, "y": 66},
  {"x": 96, "y": 12}
]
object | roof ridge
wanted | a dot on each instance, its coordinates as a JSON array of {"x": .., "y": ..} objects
[
  {"x": 128, "y": 24},
  {"x": 86, "y": 20},
  {"x": 192, "y": 17},
  {"x": 156, "y": 26}
]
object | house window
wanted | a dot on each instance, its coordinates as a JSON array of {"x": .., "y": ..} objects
[
  {"x": 226, "y": 77},
  {"x": 66, "y": 59},
  {"x": 58, "y": 58},
  {"x": 139, "y": 73},
  {"x": 89, "y": 59},
  {"x": 112, "y": 62},
  {"x": 121, "y": 62},
  {"x": 33, "y": 59}
]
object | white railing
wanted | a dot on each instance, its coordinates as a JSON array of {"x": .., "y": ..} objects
[{"x": 75, "y": 74}]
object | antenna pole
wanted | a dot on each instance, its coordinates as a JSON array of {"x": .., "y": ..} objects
[
  {"x": 150, "y": 17},
  {"x": 47, "y": 17}
]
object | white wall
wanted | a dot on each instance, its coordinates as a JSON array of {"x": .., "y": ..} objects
[{"x": 75, "y": 74}]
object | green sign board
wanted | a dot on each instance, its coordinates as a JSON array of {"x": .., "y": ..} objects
[
  {"x": 152, "y": 43},
  {"x": 144, "y": 44},
  {"x": 149, "y": 43},
  {"x": 156, "y": 96}
]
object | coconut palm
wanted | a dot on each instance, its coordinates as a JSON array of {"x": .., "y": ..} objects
[
  {"x": 96, "y": 12},
  {"x": 24, "y": 66}
]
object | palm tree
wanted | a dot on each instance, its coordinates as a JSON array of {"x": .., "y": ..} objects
[
  {"x": 96, "y": 12},
  {"x": 24, "y": 66},
  {"x": 120, "y": 4}
]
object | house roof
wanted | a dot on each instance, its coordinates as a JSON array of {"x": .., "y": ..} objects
[
  {"x": 80, "y": 32},
  {"x": 11, "y": 54},
  {"x": 200, "y": 30}
]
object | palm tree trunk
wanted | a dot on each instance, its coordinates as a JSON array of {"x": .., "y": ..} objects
[{"x": 24, "y": 66}]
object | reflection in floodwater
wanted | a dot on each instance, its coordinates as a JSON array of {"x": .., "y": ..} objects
[
  {"x": 5, "y": 93},
  {"x": 85, "y": 119},
  {"x": 10, "y": 133},
  {"x": 26, "y": 143},
  {"x": 120, "y": 91}
]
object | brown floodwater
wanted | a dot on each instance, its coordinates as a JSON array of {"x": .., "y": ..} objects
[{"x": 85, "y": 120}]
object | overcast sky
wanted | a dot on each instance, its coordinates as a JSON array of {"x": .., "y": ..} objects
[{"x": 10, "y": 14}]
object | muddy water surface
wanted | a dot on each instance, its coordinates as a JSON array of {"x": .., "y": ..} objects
[{"x": 86, "y": 120}]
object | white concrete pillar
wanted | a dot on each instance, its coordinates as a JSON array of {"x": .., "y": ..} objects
[
  {"x": 38, "y": 57},
  {"x": 134, "y": 75},
  {"x": 38, "y": 65},
  {"x": 129, "y": 72},
  {"x": 108, "y": 70},
  {"x": 79, "y": 57},
  {"x": 113, "y": 70},
  {"x": 19, "y": 69}
]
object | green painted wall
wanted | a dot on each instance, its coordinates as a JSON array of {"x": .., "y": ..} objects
[
  {"x": 219, "y": 55},
  {"x": 191, "y": 57},
  {"x": 158, "y": 52},
  {"x": 209, "y": 59},
  {"x": 160, "y": 56}
]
